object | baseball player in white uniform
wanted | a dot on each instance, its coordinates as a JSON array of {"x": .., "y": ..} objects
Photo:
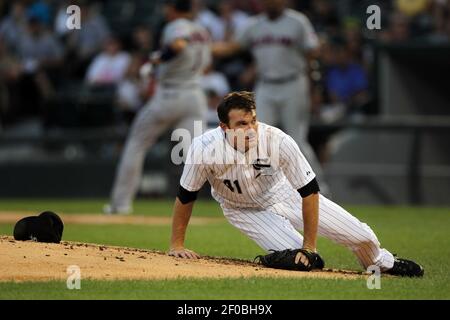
[
  {"x": 267, "y": 189},
  {"x": 178, "y": 102},
  {"x": 280, "y": 40}
]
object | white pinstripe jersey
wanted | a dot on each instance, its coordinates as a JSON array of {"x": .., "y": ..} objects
[{"x": 241, "y": 181}]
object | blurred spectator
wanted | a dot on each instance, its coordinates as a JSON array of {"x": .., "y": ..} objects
[
  {"x": 215, "y": 80},
  {"x": 131, "y": 91},
  {"x": 89, "y": 40},
  {"x": 232, "y": 21},
  {"x": 214, "y": 98},
  {"x": 143, "y": 40},
  {"x": 61, "y": 17},
  {"x": 398, "y": 30},
  {"x": 38, "y": 48},
  {"x": 10, "y": 71},
  {"x": 42, "y": 11},
  {"x": 13, "y": 26},
  {"x": 251, "y": 7},
  {"x": 99, "y": 94},
  {"x": 206, "y": 18},
  {"x": 420, "y": 14},
  {"x": 216, "y": 86},
  {"x": 441, "y": 18},
  {"x": 41, "y": 58},
  {"x": 353, "y": 38},
  {"x": 412, "y": 8},
  {"x": 239, "y": 69},
  {"x": 225, "y": 24},
  {"x": 325, "y": 18},
  {"x": 346, "y": 81},
  {"x": 110, "y": 66}
]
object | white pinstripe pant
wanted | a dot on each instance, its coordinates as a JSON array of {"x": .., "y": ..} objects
[{"x": 276, "y": 228}]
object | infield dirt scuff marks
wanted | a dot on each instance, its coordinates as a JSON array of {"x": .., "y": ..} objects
[{"x": 32, "y": 261}]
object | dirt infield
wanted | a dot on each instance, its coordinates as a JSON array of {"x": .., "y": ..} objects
[
  {"x": 32, "y": 261},
  {"x": 13, "y": 217}
]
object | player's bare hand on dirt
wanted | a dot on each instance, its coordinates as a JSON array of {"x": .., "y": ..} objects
[
  {"x": 302, "y": 258},
  {"x": 183, "y": 253}
]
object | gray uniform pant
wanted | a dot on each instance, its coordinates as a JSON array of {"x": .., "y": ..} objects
[
  {"x": 287, "y": 105},
  {"x": 169, "y": 108}
]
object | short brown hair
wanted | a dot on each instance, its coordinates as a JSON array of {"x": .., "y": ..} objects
[{"x": 241, "y": 100}]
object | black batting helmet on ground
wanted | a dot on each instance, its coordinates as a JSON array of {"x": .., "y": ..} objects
[{"x": 47, "y": 227}]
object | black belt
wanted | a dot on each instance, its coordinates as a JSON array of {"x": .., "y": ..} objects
[
  {"x": 169, "y": 85},
  {"x": 280, "y": 80}
]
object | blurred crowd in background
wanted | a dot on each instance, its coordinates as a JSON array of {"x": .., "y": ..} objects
[{"x": 90, "y": 77}]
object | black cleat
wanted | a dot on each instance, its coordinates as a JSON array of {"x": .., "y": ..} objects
[{"x": 406, "y": 268}]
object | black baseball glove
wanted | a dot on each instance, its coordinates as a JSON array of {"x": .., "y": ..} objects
[{"x": 298, "y": 259}]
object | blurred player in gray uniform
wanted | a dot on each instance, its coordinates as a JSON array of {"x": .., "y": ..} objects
[
  {"x": 178, "y": 101},
  {"x": 268, "y": 191},
  {"x": 281, "y": 40}
]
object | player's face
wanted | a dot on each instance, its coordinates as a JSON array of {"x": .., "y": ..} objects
[
  {"x": 274, "y": 7},
  {"x": 241, "y": 129}
]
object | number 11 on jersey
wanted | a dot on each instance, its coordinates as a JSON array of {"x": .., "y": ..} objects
[{"x": 230, "y": 186}]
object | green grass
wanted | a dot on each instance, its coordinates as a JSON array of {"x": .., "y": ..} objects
[
  {"x": 236, "y": 289},
  {"x": 421, "y": 234},
  {"x": 142, "y": 207}
]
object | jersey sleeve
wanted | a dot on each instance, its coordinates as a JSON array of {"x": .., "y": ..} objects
[
  {"x": 294, "y": 164},
  {"x": 243, "y": 36},
  {"x": 175, "y": 31},
  {"x": 195, "y": 170},
  {"x": 309, "y": 39}
]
